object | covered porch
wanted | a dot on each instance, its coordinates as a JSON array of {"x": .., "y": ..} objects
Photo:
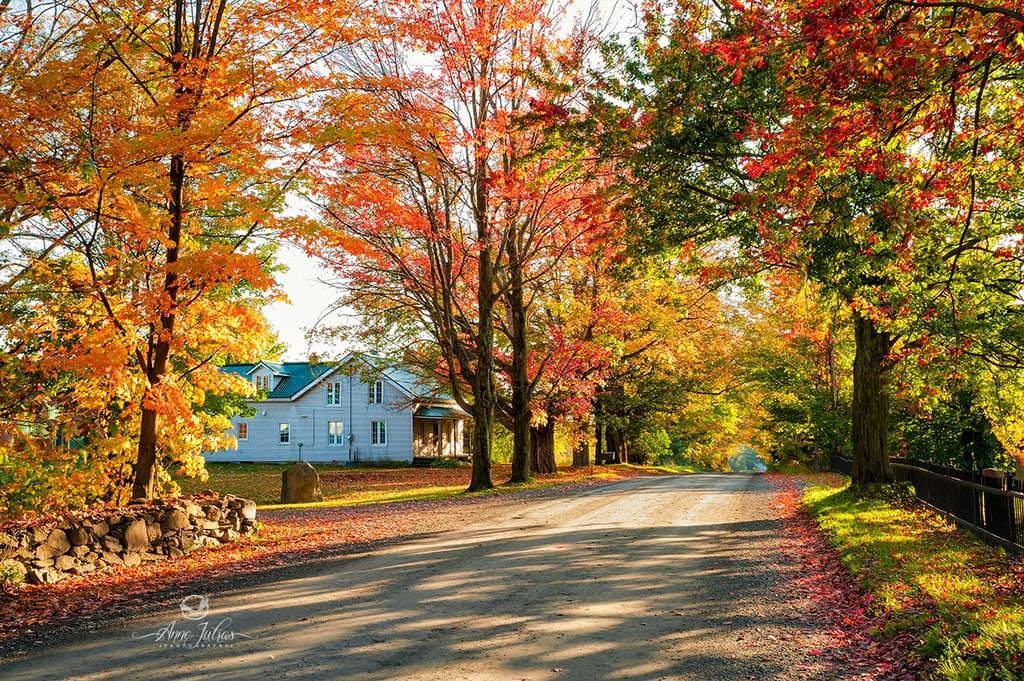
[{"x": 437, "y": 431}]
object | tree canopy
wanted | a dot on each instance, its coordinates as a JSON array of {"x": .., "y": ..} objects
[
  {"x": 794, "y": 225},
  {"x": 146, "y": 167},
  {"x": 866, "y": 148}
]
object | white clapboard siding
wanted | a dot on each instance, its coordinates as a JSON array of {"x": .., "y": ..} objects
[{"x": 308, "y": 416}]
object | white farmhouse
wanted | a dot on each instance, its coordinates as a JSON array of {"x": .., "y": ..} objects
[{"x": 334, "y": 413}]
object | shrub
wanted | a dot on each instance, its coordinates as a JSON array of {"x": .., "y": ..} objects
[
  {"x": 446, "y": 463},
  {"x": 10, "y": 577},
  {"x": 651, "y": 445}
]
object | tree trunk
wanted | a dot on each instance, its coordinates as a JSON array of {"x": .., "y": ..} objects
[
  {"x": 870, "y": 404},
  {"x": 484, "y": 390},
  {"x": 613, "y": 444},
  {"x": 483, "y": 423},
  {"x": 160, "y": 337},
  {"x": 522, "y": 462},
  {"x": 145, "y": 461},
  {"x": 581, "y": 455},
  {"x": 522, "y": 444},
  {"x": 483, "y": 402},
  {"x": 542, "y": 448},
  {"x": 833, "y": 374}
]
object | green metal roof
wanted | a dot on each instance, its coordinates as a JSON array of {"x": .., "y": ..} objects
[
  {"x": 435, "y": 412},
  {"x": 297, "y": 376}
]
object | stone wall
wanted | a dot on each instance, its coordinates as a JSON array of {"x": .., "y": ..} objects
[{"x": 138, "y": 533}]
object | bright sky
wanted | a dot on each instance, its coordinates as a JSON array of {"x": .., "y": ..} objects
[{"x": 309, "y": 298}]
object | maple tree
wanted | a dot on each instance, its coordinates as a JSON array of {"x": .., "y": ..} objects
[
  {"x": 567, "y": 302},
  {"x": 862, "y": 144},
  {"x": 450, "y": 200},
  {"x": 147, "y": 237},
  {"x": 885, "y": 174}
]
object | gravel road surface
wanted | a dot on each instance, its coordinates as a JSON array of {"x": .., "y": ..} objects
[{"x": 672, "y": 577}]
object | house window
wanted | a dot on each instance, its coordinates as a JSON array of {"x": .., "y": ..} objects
[
  {"x": 286, "y": 434},
  {"x": 243, "y": 430},
  {"x": 263, "y": 383},
  {"x": 378, "y": 432},
  {"x": 333, "y": 394},
  {"x": 334, "y": 433},
  {"x": 377, "y": 392}
]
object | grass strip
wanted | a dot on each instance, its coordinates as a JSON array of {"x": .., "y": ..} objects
[{"x": 962, "y": 598}]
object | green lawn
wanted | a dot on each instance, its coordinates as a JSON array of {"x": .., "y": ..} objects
[
  {"x": 262, "y": 482},
  {"x": 349, "y": 486}
]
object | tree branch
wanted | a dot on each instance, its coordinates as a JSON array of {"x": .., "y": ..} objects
[{"x": 1018, "y": 15}]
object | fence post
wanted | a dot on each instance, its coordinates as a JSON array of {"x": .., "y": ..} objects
[{"x": 997, "y": 506}]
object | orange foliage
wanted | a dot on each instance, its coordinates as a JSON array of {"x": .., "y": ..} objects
[{"x": 152, "y": 173}]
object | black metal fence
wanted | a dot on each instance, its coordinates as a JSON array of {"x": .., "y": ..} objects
[
  {"x": 841, "y": 465},
  {"x": 989, "y": 502}
]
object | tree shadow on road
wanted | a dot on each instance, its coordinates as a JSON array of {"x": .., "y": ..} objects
[{"x": 608, "y": 600}]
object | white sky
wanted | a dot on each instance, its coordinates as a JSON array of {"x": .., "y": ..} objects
[{"x": 309, "y": 298}]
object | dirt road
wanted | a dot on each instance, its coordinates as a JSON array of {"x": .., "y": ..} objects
[{"x": 651, "y": 578}]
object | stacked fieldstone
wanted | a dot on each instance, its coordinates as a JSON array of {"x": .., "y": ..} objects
[{"x": 143, "y": 532}]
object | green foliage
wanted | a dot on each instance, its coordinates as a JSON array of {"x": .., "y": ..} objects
[
  {"x": 652, "y": 445},
  {"x": 11, "y": 578},
  {"x": 231, "y": 404},
  {"x": 797, "y": 364},
  {"x": 23, "y": 488},
  {"x": 501, "y": 444},
  {"x": 955, "y": 432},
  {"x": 687, "y": 147},
  {"x": 37, "y": 476}
]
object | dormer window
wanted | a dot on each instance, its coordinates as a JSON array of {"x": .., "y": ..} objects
[{"x": 263, "y": 383}]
